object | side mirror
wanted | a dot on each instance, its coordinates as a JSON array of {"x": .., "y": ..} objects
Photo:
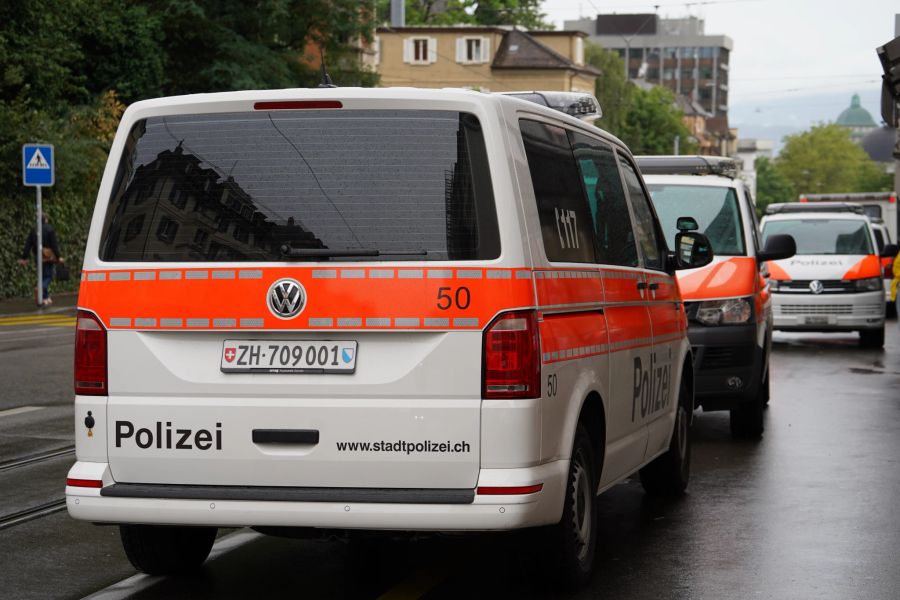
[
  {"x": 692, "y": 250},
  {"x": 686, "y": 224},
  {"x": 777, "y": 247},
  {"x": 890, "y": 250}
]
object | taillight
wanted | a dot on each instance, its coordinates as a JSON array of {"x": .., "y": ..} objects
[
  {"x": 512, "y": 357},
  {"x": 90, "y": 355},
  {"x": 887, "y": 271}
]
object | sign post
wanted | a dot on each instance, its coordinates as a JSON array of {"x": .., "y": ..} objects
[{"x": 37, "y": 171}]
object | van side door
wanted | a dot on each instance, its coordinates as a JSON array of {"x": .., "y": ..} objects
[
  {"x": 626, "y": 312},
  {"x": 657, "y": 396}
]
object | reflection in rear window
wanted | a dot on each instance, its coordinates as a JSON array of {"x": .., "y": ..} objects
[{"x": 239, "y": 186}]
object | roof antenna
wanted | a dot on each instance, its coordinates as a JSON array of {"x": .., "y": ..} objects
[{"x": 326, "y": 78}]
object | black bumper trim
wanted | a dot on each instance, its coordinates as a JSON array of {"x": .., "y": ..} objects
[{"x": 290, "y": 494}]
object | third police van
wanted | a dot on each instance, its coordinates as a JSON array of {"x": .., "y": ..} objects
[
  {"x": 373, "y": 309},
  {"x": 834, "y": 282}
]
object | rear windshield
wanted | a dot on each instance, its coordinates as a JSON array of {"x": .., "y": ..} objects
[
  {"x": 715, "y": 209},
  {"x": 824, "y": 236},
  {"x": 390, "y": 184}
]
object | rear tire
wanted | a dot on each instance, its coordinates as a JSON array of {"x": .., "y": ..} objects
[
  {"x": 668, "y": 475},
  {"x": 872, "y": 338},
  {"x": 573, "y": 541},
  {"x": 166, "y": 550}
]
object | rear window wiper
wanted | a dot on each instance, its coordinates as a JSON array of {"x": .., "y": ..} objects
[{"x": 288, "y": 252}]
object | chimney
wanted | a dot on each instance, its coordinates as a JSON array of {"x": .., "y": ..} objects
[{"x": 398, "y": 13}]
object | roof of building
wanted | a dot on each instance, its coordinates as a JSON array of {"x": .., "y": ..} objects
[
  {"x": 518, "y": 50},
  {"x": 690, "y": 108},
  {"x": 856, "y": 115},
  {"x": 879, "y": 144}
]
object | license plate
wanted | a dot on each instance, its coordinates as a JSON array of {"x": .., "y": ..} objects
[
  {"x": 284, "y": 356},
  {"x": 817, "y": 320}
]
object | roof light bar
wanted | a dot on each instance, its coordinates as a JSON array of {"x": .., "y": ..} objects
[
  {"x": 818, "y": 207},
  {"x": 577, "y": 104},
  {"x": 850, "y": 197},
  {"x": 688, "y": 165}
]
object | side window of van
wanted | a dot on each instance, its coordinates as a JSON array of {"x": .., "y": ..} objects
[
  {"x": 565, "y": 220},
  {"x": 644, "y": 222},
  {"x": 613, "y": 234}
]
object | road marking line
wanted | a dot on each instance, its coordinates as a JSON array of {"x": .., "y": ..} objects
[
  {"x": 20, "y": 410},
  {"x": 36, "y": 320},
  {"x": 140, "y": 582},
  {"x": 66, "y": 323},
  {"x": 418, "y": 584}
]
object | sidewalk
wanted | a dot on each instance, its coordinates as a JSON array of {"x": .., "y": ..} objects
[{"x": 62, "y": 302}]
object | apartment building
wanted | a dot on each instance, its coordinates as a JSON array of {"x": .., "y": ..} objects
[
  {"x": 495, "y": 59},
  {"x": 675, "y": 53}
]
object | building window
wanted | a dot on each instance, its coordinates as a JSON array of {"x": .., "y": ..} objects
[
  {"x": 579, "y": 51},
  {"x": 420, "y": 51},
  {"x": 133, "y": 229},
  {"x": 166, "y": 230},
  {"x": 472, "y": 50}
]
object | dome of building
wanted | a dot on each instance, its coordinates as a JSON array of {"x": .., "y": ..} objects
[{"x": 856, "y": 115}]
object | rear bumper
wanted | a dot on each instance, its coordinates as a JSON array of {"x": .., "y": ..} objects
[
  {"x": 728, "y": 364},
  {"x": 828, "y": 312},
  {"x": 483, "y": 513}
]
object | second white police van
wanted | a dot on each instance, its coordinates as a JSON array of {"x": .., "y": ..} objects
[
  {"x": 373, "y": 309},
  {"x": 834, "y": 282}
]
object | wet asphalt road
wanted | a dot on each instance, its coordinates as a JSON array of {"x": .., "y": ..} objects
[{"x": 809, "y": 511}]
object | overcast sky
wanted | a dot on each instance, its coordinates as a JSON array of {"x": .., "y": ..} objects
[{"x": 783, "y": 49}]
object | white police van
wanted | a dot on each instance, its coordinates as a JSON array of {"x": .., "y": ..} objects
[{"x": 373, "y": 309}]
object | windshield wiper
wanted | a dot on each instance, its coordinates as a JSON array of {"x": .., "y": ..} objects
[{"x": 288, "y": 252}]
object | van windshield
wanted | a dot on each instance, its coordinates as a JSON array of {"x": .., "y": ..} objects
[
  {"x": 715, "y": 209},
  {"x": 824, "y": 236},
  {"x": 393, "y": 184}
]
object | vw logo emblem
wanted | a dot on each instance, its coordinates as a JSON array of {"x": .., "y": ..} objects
[
  {"x": 286, "y": 298},
  {"x": 816, "y": 286}
]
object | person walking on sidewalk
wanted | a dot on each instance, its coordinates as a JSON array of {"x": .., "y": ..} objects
[{"x": 49, "y": 255}]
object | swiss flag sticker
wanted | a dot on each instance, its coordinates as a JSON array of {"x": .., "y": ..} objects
[{"x": 230, "y": 354}]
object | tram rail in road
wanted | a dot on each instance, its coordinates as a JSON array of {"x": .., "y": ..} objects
[
  {"x": 36, "y": 458},
  {"x": 40, "y": 510}
]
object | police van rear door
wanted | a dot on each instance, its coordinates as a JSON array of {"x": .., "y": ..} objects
[{"x": 295, "y": 294}]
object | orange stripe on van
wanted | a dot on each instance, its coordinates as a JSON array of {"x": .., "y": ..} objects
[
  {"x": 351, "y": 298},
  {"x": 870, "y": 266},
  {"x": 570, "y": 286},
  {"x": 564, "y": 337},
  {"x": 735, "y": 276},
  {"x": 776, "y": 272}
]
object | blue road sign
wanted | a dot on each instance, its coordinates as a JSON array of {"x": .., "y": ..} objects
[{"x": 37, "y": 164}]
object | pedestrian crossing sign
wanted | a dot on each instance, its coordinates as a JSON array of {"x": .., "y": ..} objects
[{"x": 37, "y": 164}]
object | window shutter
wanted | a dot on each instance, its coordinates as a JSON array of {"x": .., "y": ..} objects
[
  {"x": 432, "y": 50},
  {"x": 460, "y": 50},
  {"x": 407, "y": 50},
  {"x": 485, "y": 49}
]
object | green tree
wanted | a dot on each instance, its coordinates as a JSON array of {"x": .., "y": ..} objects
[
  {"x": 525, "y": 13},
  {"x": 652, "y": 121},
  {"x": 612, "y": 89},
  {"x": 219, "y": 45},
  {"x": 825, "y": 160},
  {"x": 771, "y": 185}
]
